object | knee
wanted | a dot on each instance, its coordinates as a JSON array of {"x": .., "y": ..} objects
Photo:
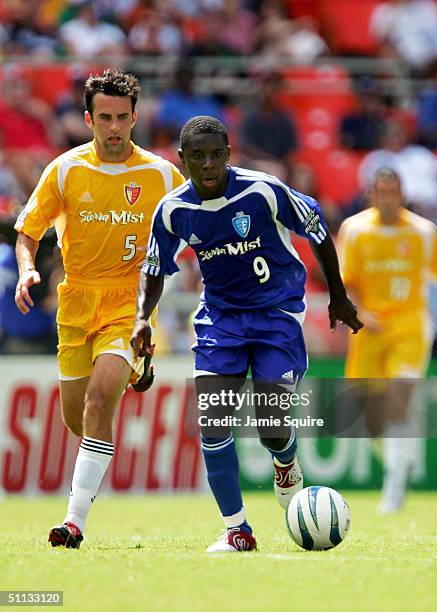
[{"x": 94, "y": 409}]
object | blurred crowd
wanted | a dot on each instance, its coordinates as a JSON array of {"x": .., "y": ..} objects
[
  {"x": 277, "y": 73},
  {"x": 300, "y": 30}
]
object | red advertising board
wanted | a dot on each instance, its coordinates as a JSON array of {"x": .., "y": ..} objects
[{"x": 156, "y": 443}]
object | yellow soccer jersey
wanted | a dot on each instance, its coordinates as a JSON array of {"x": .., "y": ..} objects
[
  {"x": 102, "y": 211},
  {"x": 388, "y": 267}
]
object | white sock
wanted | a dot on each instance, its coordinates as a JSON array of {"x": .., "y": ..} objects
[
  {"x": 399, "y": 447},
  {"x": 92, "y": 461},
  {"x": 399, "y": 459},
  {"x": 235, "y": 519}
]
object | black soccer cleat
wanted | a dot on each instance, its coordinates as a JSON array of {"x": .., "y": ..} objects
[
  {"x": 67, "y": 535},
  {"x": 146, "y": 379}
]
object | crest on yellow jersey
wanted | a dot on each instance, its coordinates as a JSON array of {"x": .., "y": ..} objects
[{"x": 132, "y": 192}]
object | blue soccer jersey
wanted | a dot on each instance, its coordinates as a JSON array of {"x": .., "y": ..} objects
[{"x": 242, "y": 240}]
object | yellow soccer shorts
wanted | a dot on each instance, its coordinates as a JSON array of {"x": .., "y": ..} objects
[
  {"x": 95, "y": 319},
  {"x": 402, "y": 349}
]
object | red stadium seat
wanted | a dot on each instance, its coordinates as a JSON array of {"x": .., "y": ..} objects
[
  {"x": 8, "y": 206},
  {"x": 315, "y": 282},
  {"x": 49, "y": 82},
  {"x": 192, "y": 29},
  {"x": 317, "y": 97},
  {"x": 345, "y": 25},
  {"x": 303, "y": 8},
  {"x": 336, "y": 172}
]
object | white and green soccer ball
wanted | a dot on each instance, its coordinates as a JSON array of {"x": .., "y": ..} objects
[{"x": 318, "y": 518}]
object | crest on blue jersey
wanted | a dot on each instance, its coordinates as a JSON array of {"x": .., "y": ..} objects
[{"x": 241, "y": 223}]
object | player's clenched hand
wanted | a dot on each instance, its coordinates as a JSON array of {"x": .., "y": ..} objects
[
  {"x": 22, "y": 295},
  {"x": 345, "y": 311},
  {"x": 141, "y": 339}
]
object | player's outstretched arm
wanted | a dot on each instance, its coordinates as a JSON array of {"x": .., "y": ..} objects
[
  {"x": 340, "y": 308},
  {"x": 149, "y": 293},
  {"x": 25, "y": 251}
]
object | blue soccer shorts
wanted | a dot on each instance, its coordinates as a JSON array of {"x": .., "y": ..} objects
[{"x": 270, "y": 341}]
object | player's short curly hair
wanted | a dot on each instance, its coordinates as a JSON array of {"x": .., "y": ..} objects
[
  {"x": 112, "y": 83},
  {"x": 203, "y": 124},
  {"x": 386, "y": 174}
]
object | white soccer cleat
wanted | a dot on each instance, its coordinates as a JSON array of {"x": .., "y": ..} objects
[
  {"x": 388, "y": 507},
  {"x": 390, "y": 504},
  {"x": 233, "y": 540},
  {"x": 288, "y": 481}
]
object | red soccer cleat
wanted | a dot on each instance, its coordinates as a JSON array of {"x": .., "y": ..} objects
[
  {"x": 233, "y": 540},
  {"x": 67, "y": 535},
  {"x": 288, "y": 481}
]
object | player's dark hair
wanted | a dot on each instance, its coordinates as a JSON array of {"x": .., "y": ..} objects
[
  {"x": 203, "y": 124},
  {"x": 111, "y": 83},
  {"x": 386, "y": 174}
]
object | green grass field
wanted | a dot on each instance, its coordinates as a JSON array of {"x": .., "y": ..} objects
[{"x": 146, "y": 553}]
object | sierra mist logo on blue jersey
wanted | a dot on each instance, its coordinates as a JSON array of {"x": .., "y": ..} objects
[{"x": 241, "y": 223}]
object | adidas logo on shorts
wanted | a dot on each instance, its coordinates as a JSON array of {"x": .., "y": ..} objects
[{"x": 118, "y": 343}]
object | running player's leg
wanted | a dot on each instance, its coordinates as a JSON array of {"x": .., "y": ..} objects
[
  {"x": 398, "y": 444},
  {"x": 408, "y": 360},
  {"x": 278, "y": 354},
  {"x": 75, "y": 364},
  {"x": 109, "y": 378},
  {"x": 110, "y": 360},
  {"x": 366, "y": 360},
  {"x": 221, "y": 365},
  {"x": 221, "y": 461},
  {"x": 72, "y": 402}
]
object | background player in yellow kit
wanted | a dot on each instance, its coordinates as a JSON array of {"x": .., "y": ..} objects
[
  {"x": 388, "y": 255},
  {"x": 101, "y": 197}
]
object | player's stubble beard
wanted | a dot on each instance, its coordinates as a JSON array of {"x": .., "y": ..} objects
[{"x": 116, "y": 150}]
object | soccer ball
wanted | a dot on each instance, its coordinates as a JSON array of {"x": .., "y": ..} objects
[{"x": 318, "y": 518}]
